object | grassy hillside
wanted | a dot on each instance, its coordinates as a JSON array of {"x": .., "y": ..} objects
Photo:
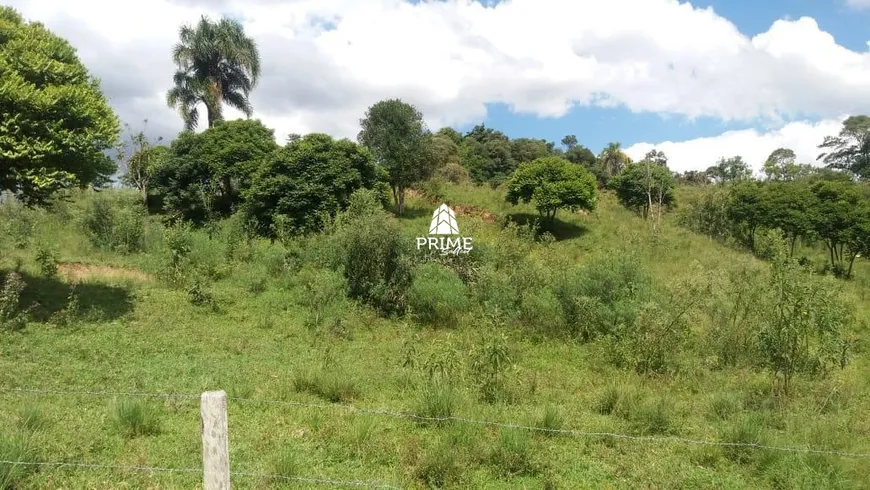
[{"x": 118, "y": 323}]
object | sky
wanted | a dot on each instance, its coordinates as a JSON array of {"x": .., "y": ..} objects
[{"x": 699, "y": 81}]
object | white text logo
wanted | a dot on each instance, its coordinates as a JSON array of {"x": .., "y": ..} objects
[{"x": 449, "y": 241}]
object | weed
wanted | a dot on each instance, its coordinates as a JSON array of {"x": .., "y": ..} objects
[
  {"x": 135, "y": 418},
  {"x": 741, "y": 435},
  {"x": 724, "y": 406},
  {"x": 14, "y": 449},
  {"x": 440, "y": 467},
  {"x": 329, "y": 385},
  {"x": 47, "y": 259},
  {"x": 490, "y": 365},
  {"x": 436, "y": 401},
  {"x": 512, "y": 455},
  {"x": 32, "y": 418},
  {"x": 551, "y": 420}
]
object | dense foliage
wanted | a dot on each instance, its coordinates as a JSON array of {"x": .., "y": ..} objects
[
  {"x": 551, "y": 184},
  {"x": 57, "y": 125}
]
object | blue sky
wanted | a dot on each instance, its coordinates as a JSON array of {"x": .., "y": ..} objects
[
  {"x": 744, "y": 78},
  {"x": 596, "y": 126}
]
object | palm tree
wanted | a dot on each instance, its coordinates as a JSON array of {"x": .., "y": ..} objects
[
  {"x": 217, "y": 63},
  {"x": 613, "y": 159}
]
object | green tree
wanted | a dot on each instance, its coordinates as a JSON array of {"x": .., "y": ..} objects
[
  {"x": 849, "y": 150},
  {"x": 524, "y": 150},
  {"x": 486, "y": 153},
  {"x": 395, "y": 133},
  {"x": 306, "y": 183},
  {"x": 552, "y": 183},
  {"x": 792, "y": 210},
  {"x": 749, "y": 209},
  {"x": 612, "y": 160},
  {"x": 217, "y": 64},
  {"x": 730, "y": 170},
  {"x": 842, "y": 221},
  {"x": 569, "y": 141},
  {"x": 780, "y": 165},
  {"x": 56, "y": 125},
  {"x": 143, "y": 165},
  {"x": 451, "y": 134},
  {"x": 443, "y": 150},
  {"x": 642, "y": 185}
]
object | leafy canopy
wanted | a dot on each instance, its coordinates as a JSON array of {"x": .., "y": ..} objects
[
  {"x": 645, "y": 183},
  {"x": 395, "y": 133},
  {"x": 217, "y": 63},
  {"x": 552, "y": 183},
  {"x": 299, "y": 187},
  {"x": 849, "y": 150},
  {"x": 56, "y": 124}
]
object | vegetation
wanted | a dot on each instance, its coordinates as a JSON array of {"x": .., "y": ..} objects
[
  {"x": 45, "y": 85},
  {"x": 276, "y": 272}
]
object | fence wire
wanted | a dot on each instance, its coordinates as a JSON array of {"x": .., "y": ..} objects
[
  {"x": 421, "y": 418},
  {"x": 300, "y": 479}
]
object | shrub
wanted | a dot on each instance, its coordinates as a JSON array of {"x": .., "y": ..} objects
[
  {"x": 199, "y": 295},
  {"x": 453, "y": 172},
  {"x": 653, "y": 342},
  {"x": 490, "y": 365},
  {"x": 804, "y": 324},
  {"x": 70, "y": 312},
  {"x": 541, "y": 311},
  {"x": 741, "y": 435},
  {"x": 115, "y": 222},
  {"x": 724, "y": 406},
  {"x": 17, "y": 222},
  {"x": 735, "y": 317},
  {"x": 46, "y": 257},
  {"x": 374, "y": 257},
  {"x": 12, "y": 317},
  {"x": 135, "y": 418},
  {"x": 437, "y": 296},
  {"x": 652, "y": 417}
]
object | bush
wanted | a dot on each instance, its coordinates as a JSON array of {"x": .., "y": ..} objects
[
  {"x": 453, "y": 172},
  {"x": 115, "y": 222},
  {"x": 12, "y": 317},
  {"x": 437, "y": 295},
  {"x": 17, "y": 223},
  {"x": 490, "y": 366},
  {"x": 46, "y": 257},
  {"x": 374, "y": 257}
]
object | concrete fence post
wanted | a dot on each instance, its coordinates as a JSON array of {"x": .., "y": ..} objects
[{"x": 215, "y": 441}]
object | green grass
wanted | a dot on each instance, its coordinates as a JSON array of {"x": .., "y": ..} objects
[{"x": 137, "y": 333}]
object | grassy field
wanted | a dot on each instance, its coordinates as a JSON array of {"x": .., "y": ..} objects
[{"x": 247, "y": 329}]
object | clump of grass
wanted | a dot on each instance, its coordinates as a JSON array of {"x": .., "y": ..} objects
[
  {"x": 550, "y": 421},
  {"x": 512, "y": 455},
  {"x": 286, "y": 464},
  {"x": 436, "y": 401},
  {"x": 744, "y": 432},
  {"x": 32, "y": 418},
  {"x": 14, "y": 449},
  {"x": 135, "y": 418},
  {"x": 331, "y": 386},
  {"x": 724, "y": 406},
  {"x": 653, "y": 417},
  {"x": 440, "y": 467},
  {"x": 608, "y": 401}
]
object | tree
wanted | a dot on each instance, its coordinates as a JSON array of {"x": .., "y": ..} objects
[
  {"x": 644, "y": 184},
  {"x": 395, "y": 133},
  {"x": 850, "y": 150},
  {"x": 56, "y": 125},
  {"x": 569, "y": 141},
  {"x": 693, "y": 177},
  {"x": 451, "y": 134},
  {"x": 524, "y": 150},
  {"x": 730, "y": 170},
  {"x": 612, "y": 160},
  {"x": 792, "y": 210},
  {"x": 217, "y": 64},
  {"x": 307, "y": 182},
  {"x": 208, "y": 171},
  {"x": 233, "y": 150},
  {"x": 552, "y": 183},
  {"x": 749, "y": 209},
  {"x": 842, "y": 221},
  {"x": 443, "y": 150},
  {"x": 486, "y": 153},
  {"x": 143, "y": 165},
  {"x": 780, "y": 165}
]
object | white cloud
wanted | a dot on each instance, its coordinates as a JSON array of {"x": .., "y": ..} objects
[
  {"x": 452, "y": 57},
  {"x": 858, "y": 4},
  {"x": 752, "y": 145}
]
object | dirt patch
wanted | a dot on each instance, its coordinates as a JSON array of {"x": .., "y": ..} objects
[
  {"x": 77, "y": 272},
  {"x": 483, "y": 214}
]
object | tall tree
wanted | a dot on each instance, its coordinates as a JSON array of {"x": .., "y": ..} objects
[
  {"x": 569, "y": 141},
  {"x": 613, "y": 160},
  {"x": 850, "y": 150},
  {"x": 730, "y": 170},
  {"x": 144, "y": 162},
  {"x": 55, "y": 123},
  {"x": 217, "y": 64},
  {"x": 781, "y": 165},
  {"x": 395, "y": 133},
  {"x": 642, "y": 185}
]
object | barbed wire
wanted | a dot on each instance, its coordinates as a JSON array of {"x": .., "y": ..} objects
[
  {"x": 301, "y": 479},
  {"x": 422, "y": 418}
]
